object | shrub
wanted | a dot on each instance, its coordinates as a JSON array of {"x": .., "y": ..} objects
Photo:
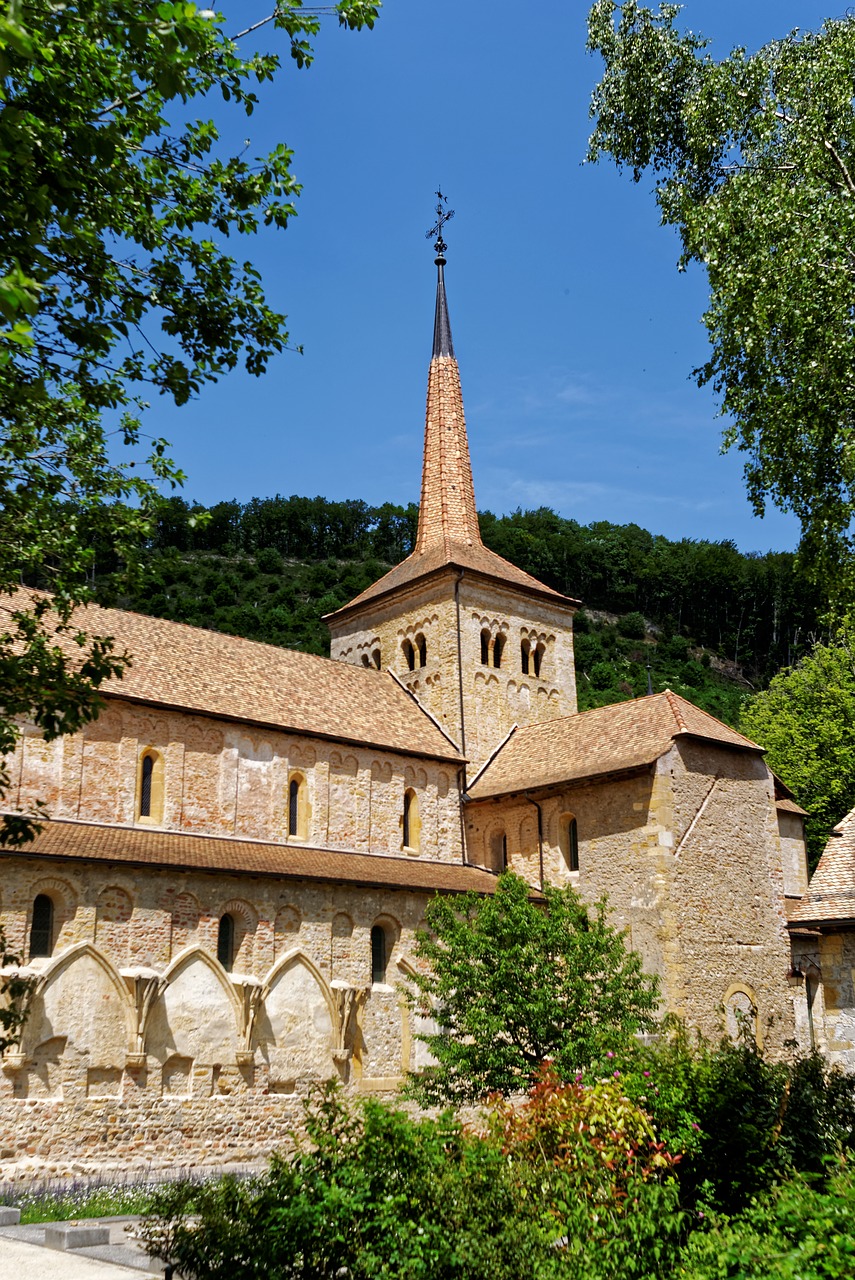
[
  {"x": 369, "y": 1193},
  {"x": 269, "y": 560},
  {"x": 632, "y": 626},
  {"x": 798, "y": 1232},
  {"x": 739, "y": 1122},
  {"x": 603, "y": 675}
]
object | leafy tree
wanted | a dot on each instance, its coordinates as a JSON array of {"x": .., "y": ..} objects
[
  {"x": 513, "y": 982},
  {"x": 806, "y": 722},
  {"x": 113, "y": 283},
  {"x": 753, "y": 158}
]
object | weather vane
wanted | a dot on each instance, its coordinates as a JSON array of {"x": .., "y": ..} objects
[{"x": 443, "y": 215}]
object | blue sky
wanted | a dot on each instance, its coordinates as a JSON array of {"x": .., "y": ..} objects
[{"x": 575, "y": 333}]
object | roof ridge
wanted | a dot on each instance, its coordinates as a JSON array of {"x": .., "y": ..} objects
[
  {"x": 709, "y": 715},
  {"x": 671, "y": 699}
]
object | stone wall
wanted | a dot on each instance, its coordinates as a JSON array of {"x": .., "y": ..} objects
[
  {"x": 227, "y": 779},
  {"x": 837, "y": 996},
  {"x": 689, "y": 856},
  {"x": 133, "y": 1016}
]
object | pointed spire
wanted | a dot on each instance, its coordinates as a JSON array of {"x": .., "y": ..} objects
[
  {"x": 447, "y": 512},
  {"x": 442, "y": 344}
]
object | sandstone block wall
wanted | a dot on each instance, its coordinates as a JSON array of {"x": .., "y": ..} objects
[
  {"x": 689, "y": 856},
  {"x": 835, "y": 1000},
  {"x": 227, "y": 779}
]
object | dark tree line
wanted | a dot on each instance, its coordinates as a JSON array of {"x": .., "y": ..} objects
[{"x": 757, "y": 610}]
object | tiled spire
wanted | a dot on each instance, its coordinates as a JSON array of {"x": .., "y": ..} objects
[{"x": 447, "y": 513}]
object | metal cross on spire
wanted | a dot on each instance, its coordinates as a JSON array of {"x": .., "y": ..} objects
[{"x": 443, "y": 215}]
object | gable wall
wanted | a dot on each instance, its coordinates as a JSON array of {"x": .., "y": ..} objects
[{"x": 690, "y": 859}]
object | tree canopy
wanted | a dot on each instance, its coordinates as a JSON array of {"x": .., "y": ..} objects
[
  {"x": 513, "y": 982},
  {"x": 753, "y": 158},
  {"x": 806, "y": 722},
  {"x": 115, "y": 201}
]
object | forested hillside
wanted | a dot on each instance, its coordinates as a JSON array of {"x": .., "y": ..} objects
[{"x": 709, "y": 620}]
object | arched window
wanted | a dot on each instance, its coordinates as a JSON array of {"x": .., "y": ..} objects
[
  {"x": 485, "y": 647},
  {"x": 378, "y": 954},
  {"x": 499, "y": 851},
  {"x": 421, "y": 645},
  {"x": 498, "y": 649},
  {"x": 366, "y": 661},
  {"x": 411, "y": 823},
  {"x": 298, "y": 808},
  {"x": 409, "y": 655},
  {"x": 375, "y": 658},
  {"x": 226, "y": 942},
  {"x": 150, "y": 787},
  {"x": 536, "y": 659},
  {"x": 41, "y": 929},
  {"x": 524, "y": 652},
  {"x": 568, "y": 839}
]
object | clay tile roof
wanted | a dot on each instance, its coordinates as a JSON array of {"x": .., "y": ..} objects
[
  {"x": 790, "y": 806},
  {"x": 448, "y": 531},
  {"x": 830, "y": 898},
  {"x": 626, "y": 735},
  {"x": 225, "y": 676},
  {"x": 137, "y": 846}
]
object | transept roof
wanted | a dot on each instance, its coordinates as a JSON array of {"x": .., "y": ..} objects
[{"x": 625, "y": 735}]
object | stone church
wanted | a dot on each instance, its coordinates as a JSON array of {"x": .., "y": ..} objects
[{"x": 222, "y": 906}]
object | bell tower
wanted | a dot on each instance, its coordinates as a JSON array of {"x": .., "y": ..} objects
[{"x": 481, "y": 645}]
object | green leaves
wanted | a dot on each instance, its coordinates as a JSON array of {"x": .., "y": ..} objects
[
  {"x": 512, "y": 982},
  {"x": 754, "y": 163},
  {"x": 806, "y": 722},
  {"x": 112, "y": 275}
]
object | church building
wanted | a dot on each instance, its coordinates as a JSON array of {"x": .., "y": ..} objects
[{"x": 222, "y": 906}]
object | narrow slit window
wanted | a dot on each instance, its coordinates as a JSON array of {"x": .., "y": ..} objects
[
  {"x": 293, "y": 806},
  {"x": 569, "y": 842},
  {"x": 422, "y": 647},
  {"x": 226, "y": 942},
  {"x": 376, "y": 658},
  {"x": 145, "y": 786},
  {"x": 536, "y": 657},
  {"x": 485, "y": 648},
  {"x": 378, "y": 954},
  {"x": 498, "y": 648},
  {"x": 524, "y": 653},
  {"x": 409, "y": 655},
  {"x": 41, "y": 929}
]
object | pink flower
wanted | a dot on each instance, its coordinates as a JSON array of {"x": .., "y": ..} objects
[
  {"x": 647, "y": 1073},
  {"x": 610, "y": 1054}
]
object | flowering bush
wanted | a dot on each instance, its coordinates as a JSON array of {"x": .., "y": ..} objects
[{"x": 590, "y": 1130}]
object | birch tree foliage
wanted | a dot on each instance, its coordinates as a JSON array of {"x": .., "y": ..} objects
[
  {"x": 753, "y": 161},
  {"x": 118, "y": 202}
]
